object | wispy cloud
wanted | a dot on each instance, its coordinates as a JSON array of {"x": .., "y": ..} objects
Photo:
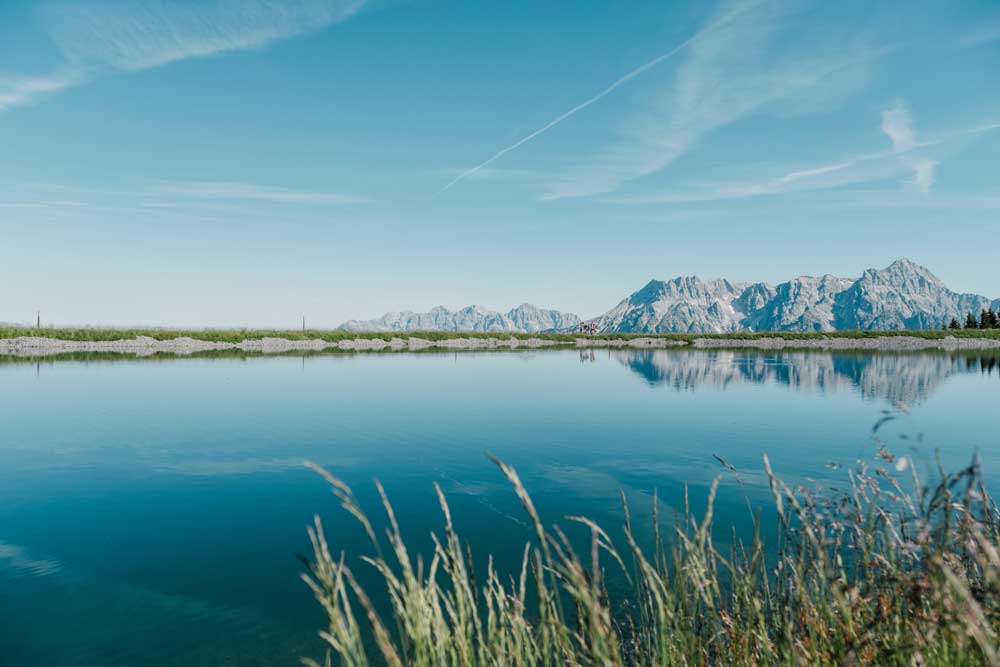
[
  {"x": 230, "y": 191},
  {"x": 149, "y": 33},
  {"x": 216, "y": 199},
  {"x": 21, "y": 91},
  {"x": 566, "y": 114},
  {"x": 722, "y": 19},
  {"x": 736, "y": 66},
  {"x": 898, "y": 126},
  {"x": 116, "y": 35},
  {"x": 907, "y": 156},
  {"x": 923, "y": 174},
  {"x": 492, "y": 174}
]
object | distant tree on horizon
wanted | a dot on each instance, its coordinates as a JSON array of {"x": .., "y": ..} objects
[
  {"x": 954, "y": 324},
  {"x": 987, "y": 319},
  {"x": 970, "y": 322}
]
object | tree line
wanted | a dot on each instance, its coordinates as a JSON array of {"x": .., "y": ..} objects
[{"x": 987, "y": 320}]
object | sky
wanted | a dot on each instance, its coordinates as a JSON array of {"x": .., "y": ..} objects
[{"x": 251, "y": 162}]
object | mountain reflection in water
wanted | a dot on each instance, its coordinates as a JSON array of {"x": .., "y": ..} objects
[{"x": 900, "y": 379}]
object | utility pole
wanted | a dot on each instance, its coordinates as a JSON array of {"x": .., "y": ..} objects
[
  {"x": 303, "y": 324},
  {"x": 38, "y": 319}
]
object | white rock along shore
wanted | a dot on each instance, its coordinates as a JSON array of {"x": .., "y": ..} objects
[
  {"x": 144, "y": 345},
  {"x": 30, "y": 346}
]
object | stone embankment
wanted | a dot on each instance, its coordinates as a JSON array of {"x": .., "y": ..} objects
[{"x": 31, "y": 346}]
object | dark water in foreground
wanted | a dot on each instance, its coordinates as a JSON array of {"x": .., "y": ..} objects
[{"x": 150, "y": 511}]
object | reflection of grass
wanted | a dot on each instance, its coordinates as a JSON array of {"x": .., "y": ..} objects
[
  {"x": 930, "y": 334},
  {"x": 872, "y": 576},
  {"x": 242, "y": 354},
  {"x": 334, "y": 336},
  {"x": 165, "y": 356}
]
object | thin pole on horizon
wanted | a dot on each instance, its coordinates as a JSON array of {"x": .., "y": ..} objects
[
  {"x": 38, "y": 319},
  {"x": 303, "y": 324}
]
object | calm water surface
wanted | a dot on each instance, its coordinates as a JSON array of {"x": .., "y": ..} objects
[{"x": 151, "y": 510}]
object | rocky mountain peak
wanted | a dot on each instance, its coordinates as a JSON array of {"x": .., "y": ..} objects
[
  {"x": 525, "y": 318},
  {"x": 904, "y": 273},
  {"x": 903, "y": 295}
]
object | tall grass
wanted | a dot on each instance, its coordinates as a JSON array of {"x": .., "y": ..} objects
[{"x": 891, "y": 572}]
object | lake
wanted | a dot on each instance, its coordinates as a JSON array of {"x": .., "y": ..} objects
[{"x": 151, "y": 509}]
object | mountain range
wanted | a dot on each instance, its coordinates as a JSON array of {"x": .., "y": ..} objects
[
  {"x": 522, "y": 319},
  {"x": 904, "y": 295}
]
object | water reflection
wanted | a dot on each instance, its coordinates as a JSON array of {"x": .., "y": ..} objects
[
  {"x": 195, "y": 465},
  {"x": 900, "y": 379}
]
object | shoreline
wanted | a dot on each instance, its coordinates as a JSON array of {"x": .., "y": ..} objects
[{"x": 34, "y": 346}]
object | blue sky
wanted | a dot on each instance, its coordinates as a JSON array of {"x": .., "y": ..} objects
[{"x": 245, "y": 162}]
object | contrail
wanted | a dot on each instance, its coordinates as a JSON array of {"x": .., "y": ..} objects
[{"x": 579, "y": 107}]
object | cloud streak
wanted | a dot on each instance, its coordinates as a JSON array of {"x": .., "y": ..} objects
[
  {"x": 22, "y": 91},
  {"x": 567, "y": 114},
  {"x": 150, "y": 33},
  {"x": 750, "y": 57},
  {"x": 231, "y": 191},
  {"x": 721, "y": 21},
  {"x": 898, "y": 126},
  {"x": 102, "y": 37},
  {"x": 907, "y": 155}
]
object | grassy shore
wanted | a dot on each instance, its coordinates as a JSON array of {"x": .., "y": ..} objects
[
  {"x": 238, "y": 335},
  {"x": 333, "y": 336},
  {"x": 889, "y": 572}
]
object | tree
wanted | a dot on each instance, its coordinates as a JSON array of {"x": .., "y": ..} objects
[
  {"x": 993, "y": 319},
  {"x": 954, "y": 324},
  {"x": 970, "y": 322},
  {"x": 984, "y": 319}
]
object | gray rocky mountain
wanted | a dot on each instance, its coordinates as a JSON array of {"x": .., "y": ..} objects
[
  {"x": 525, "y": 318},
  {"x": 903, "y": 295},
  {"x": 685, "y": 304},
  {"x": 802, "y": 304},
  {"x": 532, "y": 319}
]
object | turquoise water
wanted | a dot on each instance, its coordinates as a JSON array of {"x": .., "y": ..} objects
[{"x": 151, "y": 510}]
